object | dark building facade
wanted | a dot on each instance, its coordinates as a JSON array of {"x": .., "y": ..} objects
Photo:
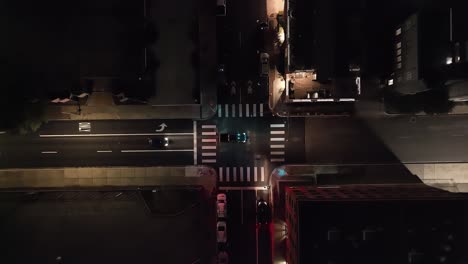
[{"x": 409, "y": 223}]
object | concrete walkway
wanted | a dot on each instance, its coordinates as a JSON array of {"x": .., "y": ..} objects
[{"x": 107, "y": 177}]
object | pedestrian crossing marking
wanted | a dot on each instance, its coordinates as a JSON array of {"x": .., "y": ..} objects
[
  {"x": 277, "y": 139},
  {"x": 208, "y": 147},
  {"x": 208, "y": 161},
  {"x": 241, "y": 174},
  {"x": 209, "y": 154},
  {"x": 208, "y": 133},
  {"x": 208, "y": 140},
  {"x": 277, "y": 153},
  {"x": 277, "y": 132},
  {"x": 277, "y": 146},
  {"x": 276, "y": 125}
]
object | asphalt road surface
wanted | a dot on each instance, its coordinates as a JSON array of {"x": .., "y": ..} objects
[
  {"x": 248, "y": 242},
  {"x": 272, "y": 142}
]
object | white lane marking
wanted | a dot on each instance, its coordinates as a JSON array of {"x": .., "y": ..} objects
[
  {"x": 277, "y": 160},
  {"x": 220, "y": 174},
  {"x": 262, "y": 178},
  {"x": 457, "y": 135},
  {"x": 2, "y": 132},
  {"x": 277, "y": 132},
  {"x": 277, "y": 139},
  {"x": 241, "y": 174},
  {"x": 234, "y": 174},
  {"x": 277, "y": 153},
  {"x": 233, "y": 108},
  {"x": 226, "y": 110},
  {"x": 208, "y": 126},
  {"x": 404, "y": 137},
  {"x": 254, "y": 108},
  {"x": 241, "y": 188},
  {"x": 208, "y": 161},
  {"x": 154, "y": 150},
  {"x": 261, "y": 109},
  {"x": 276, "y": 146},
  {"x": 247, "y": 114},
  {"x": 104, "y": 151},
  {"x": 49, "y": 152},
  {"x": 209, "y": 154},
  {"x": 116, "y": 135},
  {"x": 219, "y": 110},
  {"x": 228, "y": 171},
  {"x": 208, "y": 133},
  {"x": 240, "y": 110},
  {"x": 248, "y": 174},
  {"x": 255, "y": 174},
  {"x": 195, "y": 158},
  {"x": 276, "y": 125},
  {"x": 208, "y": 147},
  {"x": 206, "y": 140}
]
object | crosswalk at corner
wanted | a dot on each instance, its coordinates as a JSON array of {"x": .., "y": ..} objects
[
  {"x": 240, "y": 110},
  {"x": 241, "y": 174},
  {"x": 209, "y": 144},
  {"x": 277, "y": 142}
]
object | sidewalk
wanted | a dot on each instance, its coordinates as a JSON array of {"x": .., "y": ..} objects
[{"x": 107, "y": 177}]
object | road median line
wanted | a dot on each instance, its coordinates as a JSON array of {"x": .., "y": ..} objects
[{"x": 116, "y": 135}]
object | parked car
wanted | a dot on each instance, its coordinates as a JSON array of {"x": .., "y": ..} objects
[
  {"x": 263, "y": 212},
  {"x": 221, "y": 232},
  {"x": 223, "y": 257},
  {"x": 221, "y": 7},
  {"x": 221, "y": 205},
  {"x": 158, "y": 142},
  {"x": 264, "y": 64},
  {"x": 234, "y": 137}
]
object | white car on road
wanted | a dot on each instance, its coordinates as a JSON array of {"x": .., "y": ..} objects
[
  {"x": 221, "y": 232},
  {"x": 221, "y": 205}
]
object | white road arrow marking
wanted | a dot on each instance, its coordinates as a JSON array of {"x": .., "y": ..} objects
[{"x": 161, "y": 127}]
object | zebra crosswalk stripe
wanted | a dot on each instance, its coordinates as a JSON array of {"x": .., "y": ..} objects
[
  {"x": 220, "y": 174},
  {"x": 248, "y": 174}
]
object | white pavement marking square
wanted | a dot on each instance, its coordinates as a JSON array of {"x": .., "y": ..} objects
[
  {"x": 277, "y": 153},
  {"x": 248, "y": 174},
  {"x": 195, "y": 161},
  {"x": 234, "y": 174},
  {"x": 219, "y": 111},
  {"x": 220, "y": 174},
  {"x": 262, "y": 174},
  {"x": 254, "y": 110},
  {"x": 233, "y": 112},
  {"x": 255, "y": 174},
  {"x": 277, "y": 139},
  {"x": 208, "y": 147},
  {"x": 209, "y": 154},
  {"x": 226, "y": 110},
  {"x": 208, "y": 161},
  {"x": 208, "y": 140},
  {"x": 276, "y": 125},
  {"x": 240, "y": 110},
  {"x": 49, "y": 152},
  {"x": 208, "y": 126},
  {"x": 228, "y": 171},
  {"x": 104, "y": 151},
  {"x": 277, "y": 160},
  {"x": 261, "y": 109},
  {"x": 208, "y": 133},
  {"x": 241, "y": 170},
  {"x": 247, "y": 114},
  {"x": 277, "y": 132}
]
